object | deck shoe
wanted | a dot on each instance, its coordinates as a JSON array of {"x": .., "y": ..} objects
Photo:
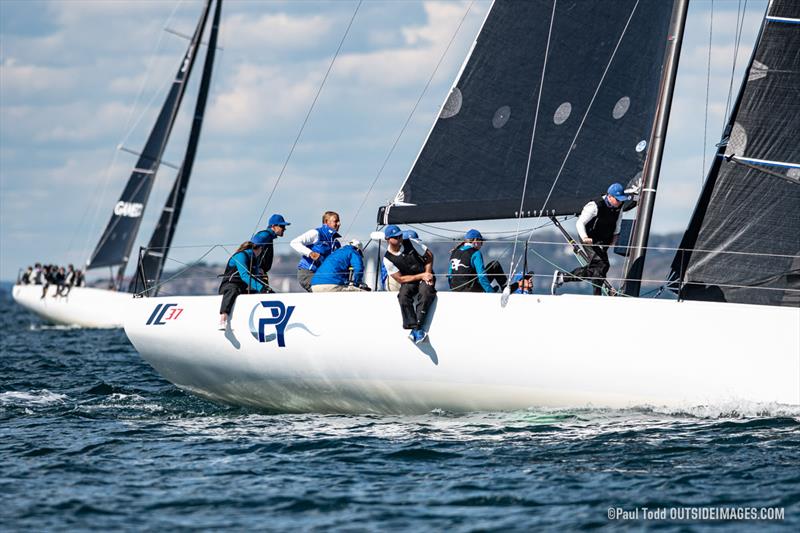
[
  {"x": 419, "y": 335},
  {"x": 558, "y": 281}
]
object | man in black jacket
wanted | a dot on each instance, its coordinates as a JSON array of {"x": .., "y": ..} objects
[
  {"x": 598, "y": 227},
  {"x": 410, "y": 263}
]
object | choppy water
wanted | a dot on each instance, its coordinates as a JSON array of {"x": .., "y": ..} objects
[{"x": 92, "y": 438}]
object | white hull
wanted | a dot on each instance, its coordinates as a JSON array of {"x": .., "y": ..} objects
[
  {"x": 351, "y": 355},
  {"x": 85, "y": 306}
]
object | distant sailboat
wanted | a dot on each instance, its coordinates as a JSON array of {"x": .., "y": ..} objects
[
  {"x": 91, "y": 307},
  {"x": 555, "y": 98}
]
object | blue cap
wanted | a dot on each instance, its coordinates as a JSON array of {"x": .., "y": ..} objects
[
  {"x": 261, "y": 238},
  {"x": 278, "y": 220},
  {"x": 410, "y": 234},
  {"x": 618, "y": 191},
  {"x": 472, "y": 235},
  {"x": 391, "y": 231}
]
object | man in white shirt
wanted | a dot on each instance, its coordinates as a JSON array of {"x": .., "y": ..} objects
[
  {"x": 315, "y": 245},
  {"x": 598, "y": 227}
]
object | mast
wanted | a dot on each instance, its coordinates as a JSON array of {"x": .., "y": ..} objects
[
  {"x": 637, "y": 252},
  {"x": 115, "y": 244},
  {"x": 152, "y": 262}
]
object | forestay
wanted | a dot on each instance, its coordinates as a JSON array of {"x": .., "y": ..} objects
[
  {"x": 743, "y": 242},
  {"x": 117, "y": 240},
  {"x": 598, "y": 63}
]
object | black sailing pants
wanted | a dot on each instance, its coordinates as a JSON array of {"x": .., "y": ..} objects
[
  {"x": 595, "y": 271},
  {"x": 229, "y": 291},
  {"x": 415, "y": 318}
]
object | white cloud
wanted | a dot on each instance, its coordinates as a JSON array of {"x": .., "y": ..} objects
[{"x": 278, "y": 30}]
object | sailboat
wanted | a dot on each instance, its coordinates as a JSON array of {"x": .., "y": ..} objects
[
  {"x": 553, "y": 99},
  {"x": 102, "y": 308}
]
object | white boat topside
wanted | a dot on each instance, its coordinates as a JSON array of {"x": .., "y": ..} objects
[
  {"x": 84, "y": 306},
  {"x": 347, "y": 352}
]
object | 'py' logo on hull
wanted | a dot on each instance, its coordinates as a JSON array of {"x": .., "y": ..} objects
[{"x": 278, "y": 316}]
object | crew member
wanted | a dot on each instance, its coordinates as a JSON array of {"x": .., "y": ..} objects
[
  {"x": 410, "y": 263},
  {"x": 467, "y": 272},
  {"x": 242, "y": 275},
  {"x": 343, "y": 270},
  {"x": 276, "y": 226},
  {"x": 598, "y": 227},
  {"x": 315, "y": 245},
  {"x": 388, "y": 283}
]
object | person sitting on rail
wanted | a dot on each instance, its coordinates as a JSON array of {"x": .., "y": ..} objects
[
  {"x": 276, "y": 227},
  {"x": 410, "y": 263},
  {"x": 387, "y": 283},
  {"x": 343, "y": 270},
  {"x": 468, "y": 272},
  {"x": 315, "y": 245},
  {"x": 242, "y": 276}
]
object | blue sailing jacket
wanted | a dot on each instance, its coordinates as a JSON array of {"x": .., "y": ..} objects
[
  {"x": 325, "y": 245},
  {"x": 336, "y": 268},
  {"x": 241, "y": 261}
]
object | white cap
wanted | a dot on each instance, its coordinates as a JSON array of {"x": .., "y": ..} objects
[{"x": 355, "y": 243}]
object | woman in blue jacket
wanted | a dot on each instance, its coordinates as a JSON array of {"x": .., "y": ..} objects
[{"x": 241, "y": 276}]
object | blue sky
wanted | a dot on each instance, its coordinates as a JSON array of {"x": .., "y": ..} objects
[{"x": 78, "y": 78}]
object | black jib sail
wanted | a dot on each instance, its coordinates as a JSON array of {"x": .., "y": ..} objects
[
  {"x": 117, "y": 240},
  {"x": 598, "y": 64},
  {"x": 152, "y": 262},
  {"x": 743, "y": 242}
]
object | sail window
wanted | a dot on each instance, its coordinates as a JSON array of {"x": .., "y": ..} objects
[
  {"x": 757, "y": 71},
  {"x": 621, "y": 107},
  {"x": 501, "y": 116},
  {"x": 453, "y": 104},
  {"x": 562, "y": 113},
  {"x": 641, "y": 146}
]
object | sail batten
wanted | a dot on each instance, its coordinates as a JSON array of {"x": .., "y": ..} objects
[
  {"x": 114, "y": 246},
  {"x": 600, "y": 86}
]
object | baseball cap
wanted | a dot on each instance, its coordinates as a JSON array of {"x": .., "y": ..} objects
[
  {"x": 355, "y": 243},
  {"x": 278, "y": 220},
  {"x": 391, "y": 231},
  {"x": 473, "y": 234},
  {"x": 617, "y": 191},
  {"x": 410, "y": 234}
]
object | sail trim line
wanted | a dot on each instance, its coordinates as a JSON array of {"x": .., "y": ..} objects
[
  {"x": 768, "y": 162},
  {"x": 787, "y": 20}
]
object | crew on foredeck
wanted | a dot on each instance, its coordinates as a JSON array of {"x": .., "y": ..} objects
[
  {"x": 598, "y": 227},
  {"x": 315, "y": 245}
]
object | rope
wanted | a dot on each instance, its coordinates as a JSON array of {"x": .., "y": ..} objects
[
  {"x": 740, "y": 13},
  {"x": 408, "y": 120},
  {"x": 308, "y": 115}
]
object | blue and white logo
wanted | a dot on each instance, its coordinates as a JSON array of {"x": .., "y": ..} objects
[{"x": 273, "y": 313}]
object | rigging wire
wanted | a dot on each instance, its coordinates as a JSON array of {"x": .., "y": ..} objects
[
  {"x": 708, "y": 89},
  {"x": 308, "y": 115},
  {"x": 740, "y": 15},
  {"x": 533, "y": 133},
  {"x": 408, "y": 120}
]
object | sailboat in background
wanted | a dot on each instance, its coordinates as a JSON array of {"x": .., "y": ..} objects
[
  {"x": 102, "y": 308},
  {"x": 553, "y": 101}
]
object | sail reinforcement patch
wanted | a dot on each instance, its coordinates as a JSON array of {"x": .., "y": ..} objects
[
  {"x": 562, "y": 113},
  {"x": 453, "y": 104},
  {"x": 621, "y": 107},
  {"x": 501, "y": 116}
]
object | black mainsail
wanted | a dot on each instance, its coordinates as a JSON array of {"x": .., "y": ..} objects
[
  {"x": 599, "y": 64},
  {"x": 117, "y": 240},
  {"x": 743, "y": 242},
  {"x": 152, "y": 261}
]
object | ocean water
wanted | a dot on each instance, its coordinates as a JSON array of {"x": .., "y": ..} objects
[{"x": 92, "y": 438}]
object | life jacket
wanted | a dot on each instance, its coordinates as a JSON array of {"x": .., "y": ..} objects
[
  {"x": 463, "y": 277},
  {"x": 325, "y": 245},
  {"x": 601, "y": 228},
  {"x": 231, "y": 274},
  {"x": 408, "y": 262}
]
